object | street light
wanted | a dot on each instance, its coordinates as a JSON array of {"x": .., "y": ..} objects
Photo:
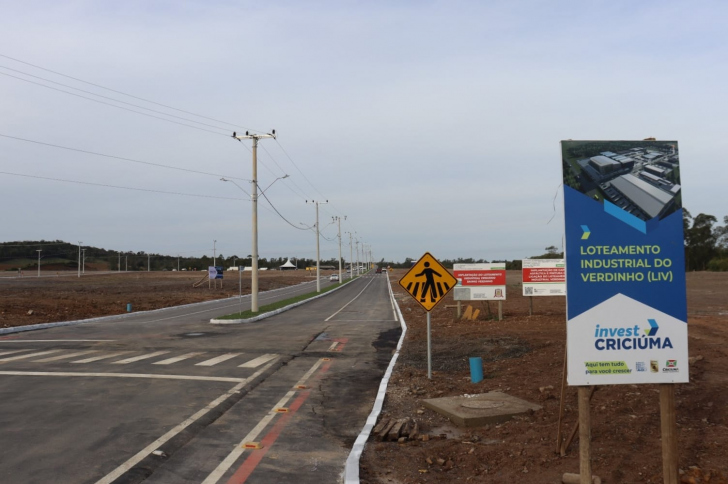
[
  {"x": 254, "y": 200},
  {"x": 39, "y": 251}
]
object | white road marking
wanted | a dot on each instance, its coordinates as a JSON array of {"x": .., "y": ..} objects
[
  {"x": 221, "y": 469},
  {"x": 258, "y": 361},
  {"x": 63, "y": 357},
  {"x": 102, "y": 357},
  {"x": 333, "y": 345},
  {"x": 123, "y": 375},
  {"x": 218, "y": 359},
  {"x": 178, "y": 358},
  {"x": 28, "y": 355},
  {"x": 337, "y": 312},
  {"x": 119, "y": 471},
  {"x": 52, "y": 340},
  {"x": 138, "y": 358},
  {"x": 11, "y": 352}
]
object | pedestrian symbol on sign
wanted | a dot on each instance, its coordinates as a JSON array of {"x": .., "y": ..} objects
[{"x": 428, "y": 281}]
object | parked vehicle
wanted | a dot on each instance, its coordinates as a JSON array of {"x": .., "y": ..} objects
[{"x": 334, "y": 278}]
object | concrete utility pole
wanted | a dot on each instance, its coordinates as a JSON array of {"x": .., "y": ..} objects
[
  {"x": 318, "y": 252},
  {"x": 341, "y": 275},
  {"x": 79, "y": 258},
  {"x": 254, "y": 199},
  {"x": 351, "y": 257},
  {"x": 126, "y": 263},
  {"x": 83, "y": 262},
  {"x": 149, "y": 263},
  {"x": 357, "y": 257},
  {"x": 119, "y": 266},
  {"x": 177, "y": 262},
  {"x": 39, "y": 251},
  {"x": 214, "y": 253}
]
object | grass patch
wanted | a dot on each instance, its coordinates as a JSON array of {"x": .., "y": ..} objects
[{"x": 280, "y": 304}]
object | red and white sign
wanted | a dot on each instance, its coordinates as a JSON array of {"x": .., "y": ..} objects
[
  {"x": 544, "y": 277},
  {"x": 480, "y": 282}
]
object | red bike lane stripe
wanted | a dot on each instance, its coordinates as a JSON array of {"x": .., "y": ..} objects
[{"x": 250, "y": 464}]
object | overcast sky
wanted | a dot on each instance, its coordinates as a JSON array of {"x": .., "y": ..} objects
[{"x": 432, "y": 126}]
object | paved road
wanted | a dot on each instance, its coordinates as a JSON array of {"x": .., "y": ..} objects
[{"x": 166, "y": 397}]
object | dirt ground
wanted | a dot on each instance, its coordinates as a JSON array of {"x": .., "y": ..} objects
[
  {"x": 523, "y": 356},
  {"x": 32, "y": 300}
]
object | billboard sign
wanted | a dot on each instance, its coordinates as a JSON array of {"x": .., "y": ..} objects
[
  {"x": 544, "y": 277},
  {"x": 625, "y": 263},
  {"x": 214, "y": 272},
  {"x": 480, "y": 282}
]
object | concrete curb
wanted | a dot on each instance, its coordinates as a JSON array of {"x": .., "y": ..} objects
[
  {"x": 351, "y": 469},
  {"x": 277, "y": 311},
  {"x": 116, "y": 317}
]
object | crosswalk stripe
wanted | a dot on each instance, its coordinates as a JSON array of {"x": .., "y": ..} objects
[
  {"x": 219, "y": 359},
  {"x": 138, "y": 358},
  {"x": 258, "y": 361},
  {"x": 11, "y": 352},
  {"x": 29, "y": 355},
  {"x": 63, "y": 357},
  {"x": 178, "y": 358},
  {"x": 102, "y": 357}
]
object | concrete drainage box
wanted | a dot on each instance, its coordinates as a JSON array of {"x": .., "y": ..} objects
[{"x": 482, "y": 409}]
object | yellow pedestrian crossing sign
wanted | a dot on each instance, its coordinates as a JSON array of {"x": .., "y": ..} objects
[{"x": 428, "y": 281}]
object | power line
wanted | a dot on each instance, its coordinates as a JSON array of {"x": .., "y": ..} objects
[
  {"x": 120, "y": 157},
  {"x": 279, "y": 213},
  {"x": 119, "y": 187},
  {"x": 123, "y": 93},
  {"x": 112, "y": 105},
  {"x": 113, "y": 99}
]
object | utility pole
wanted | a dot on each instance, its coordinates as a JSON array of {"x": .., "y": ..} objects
[
  {"x": 318, "y": 252},
  {"x": 126, "y": 263},
  {"x": 177, "y": 262},
  {"x": 357, "y": 257},
  {"x": 341, "y": 275},
  {"x": 83, "y": 262},
  {"x": 254, "y": 199},
  {"x": 119, "y": 265},
  {"x": 39, "y": 251},
  {"x": 214, "y": 253},
  {"x": 79, "y": 258},
  {"x": 351, "y": 257},
  {"x": 149, "y": 263}
]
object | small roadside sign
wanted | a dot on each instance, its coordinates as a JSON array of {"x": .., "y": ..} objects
[{"x": 428, "y": 282}]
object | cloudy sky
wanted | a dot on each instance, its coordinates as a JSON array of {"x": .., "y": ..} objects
[{"x": 431, "y": 125}]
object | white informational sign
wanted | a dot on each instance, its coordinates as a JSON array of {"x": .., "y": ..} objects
[
  {"x": 544, "y": 277},
  {"x": 480, "y": 282}
]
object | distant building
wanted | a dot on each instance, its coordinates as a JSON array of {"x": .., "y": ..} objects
[{"x": 646, "y": 200}]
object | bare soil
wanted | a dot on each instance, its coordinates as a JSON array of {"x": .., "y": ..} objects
[
  {"x": 523, "y": 356},
  {"x": 65, "y": 297}
]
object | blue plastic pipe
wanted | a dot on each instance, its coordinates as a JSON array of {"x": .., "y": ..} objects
[{"x": 476, "y": 369}]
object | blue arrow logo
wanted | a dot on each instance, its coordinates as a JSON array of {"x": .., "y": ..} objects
[{"x": 653, "y": 328}]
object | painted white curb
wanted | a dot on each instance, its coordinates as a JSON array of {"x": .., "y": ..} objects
[
  {"x": 351, "y": 470},
  {"x": 277, "y": 311}
]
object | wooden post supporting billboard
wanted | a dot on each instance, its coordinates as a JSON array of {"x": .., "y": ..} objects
[{"x": 668, "y": 430}]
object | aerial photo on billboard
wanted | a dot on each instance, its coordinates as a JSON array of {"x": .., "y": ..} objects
[{"x": 637, "y": 181}]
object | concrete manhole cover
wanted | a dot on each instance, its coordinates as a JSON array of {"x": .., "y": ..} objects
[{"x": 482, "y": 405}]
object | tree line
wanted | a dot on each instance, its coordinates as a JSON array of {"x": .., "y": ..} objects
[{"x": 60, "y": 255}]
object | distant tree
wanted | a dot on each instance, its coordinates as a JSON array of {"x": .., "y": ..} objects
[{"x": 701, "y": 240}]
